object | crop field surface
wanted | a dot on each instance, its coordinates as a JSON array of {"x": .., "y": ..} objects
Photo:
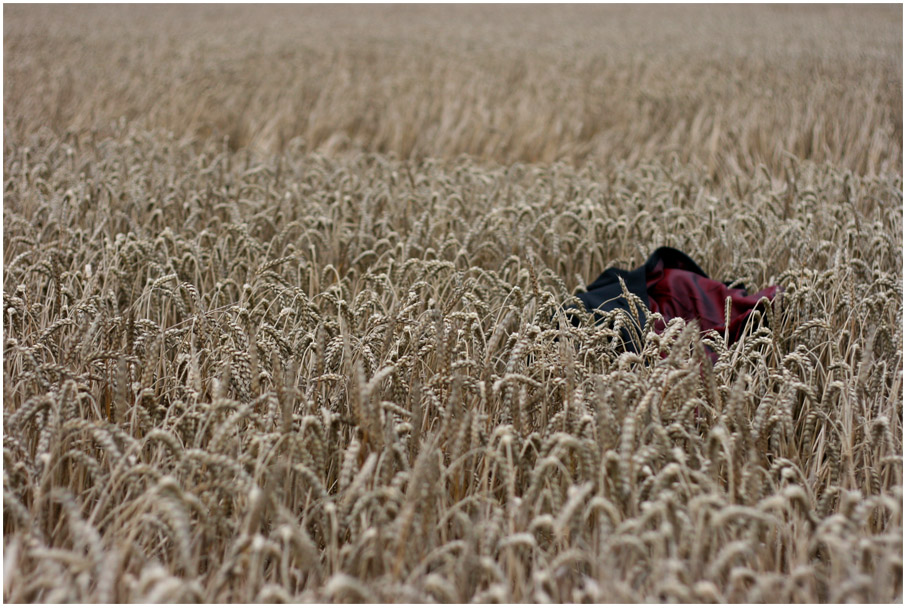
[{"x": 283, "y": 294}]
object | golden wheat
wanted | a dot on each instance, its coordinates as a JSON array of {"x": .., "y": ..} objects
[{"x": 325, "y": 359}]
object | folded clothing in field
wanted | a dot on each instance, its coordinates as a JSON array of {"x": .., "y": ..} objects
[{"x": 672, "y": 284}]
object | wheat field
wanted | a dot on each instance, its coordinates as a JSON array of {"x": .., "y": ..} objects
[{"x": 283, "y": 296}]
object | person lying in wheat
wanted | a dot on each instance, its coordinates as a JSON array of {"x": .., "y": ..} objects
[{"x": 672, "y": 284}]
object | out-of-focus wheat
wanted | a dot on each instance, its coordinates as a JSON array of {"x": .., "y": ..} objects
[
  {"x": 237, "y": 376},
  {"x": 729, "y": 88}
]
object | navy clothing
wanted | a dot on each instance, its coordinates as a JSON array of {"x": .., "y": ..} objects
[{"x": 675, "y": 286}]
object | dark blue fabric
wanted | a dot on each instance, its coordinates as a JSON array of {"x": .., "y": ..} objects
[{"x": 604, "y": 294}]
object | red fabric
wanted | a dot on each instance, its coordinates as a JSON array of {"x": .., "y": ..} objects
[{"x": 680, "y": 293}]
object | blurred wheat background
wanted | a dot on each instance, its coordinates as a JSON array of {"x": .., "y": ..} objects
[{"x": 281, "y": 294}]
